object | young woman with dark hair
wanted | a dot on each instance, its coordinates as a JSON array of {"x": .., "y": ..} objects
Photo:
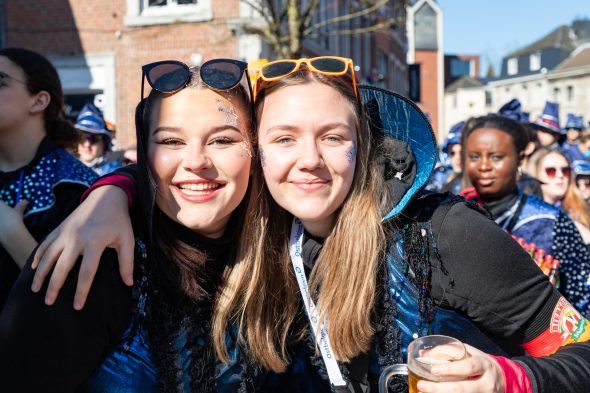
[
  {"x": 338, "y": 202},
  {"x": 493, "y": 146},
  {"x": 194, "y": 152},
  {"x": 40, "y": 183}
]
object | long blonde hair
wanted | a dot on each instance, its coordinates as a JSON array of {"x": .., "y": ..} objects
[
  {"x": 572, "y": 203},
  {"x": 261, "y": 295}
]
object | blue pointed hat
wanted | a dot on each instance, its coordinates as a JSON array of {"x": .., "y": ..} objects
[
  {"x": 399, "y": 118},
  {"x": 575, "y": 122},
  {"x": 549, "y": 119},
  {"x": 513, "y": 110},
  {"x": 90, "y": 120},
  {"x": 581, "y": 168},
  {"x": 454, "y": 136}
]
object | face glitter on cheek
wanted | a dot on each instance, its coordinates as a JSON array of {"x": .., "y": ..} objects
[
  {"x": 351, "y": 153},
  {"x": 246, "y": 147},
  {"x": 262, "y": 157}
]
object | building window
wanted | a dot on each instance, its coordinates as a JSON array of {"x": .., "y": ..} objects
[
  {"x": 488, "y": 98},
  {"x": 556, "y": 94},
  {"x": 570, "y": 93},
  {"x": 535, "y": 61},
  {"x": 460, "y": 68},
  {"x": 156, "y": 12},
  {"x": 512, "y": 66}
]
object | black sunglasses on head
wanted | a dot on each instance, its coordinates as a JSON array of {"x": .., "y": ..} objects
[{"x": 170, "y": 76}]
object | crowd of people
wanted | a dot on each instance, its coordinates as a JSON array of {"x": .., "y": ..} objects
[
  {"x": 531, "y": 176},
  {"x": 276, "y": 236}
]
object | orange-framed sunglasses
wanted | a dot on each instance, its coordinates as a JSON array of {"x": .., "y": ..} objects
[{"x": 327, "y": 65}]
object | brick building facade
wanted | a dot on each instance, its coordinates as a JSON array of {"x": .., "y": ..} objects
[{"x": 99, "y": 46}]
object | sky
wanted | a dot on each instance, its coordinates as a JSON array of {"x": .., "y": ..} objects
[{"x": 494, "y": 28}]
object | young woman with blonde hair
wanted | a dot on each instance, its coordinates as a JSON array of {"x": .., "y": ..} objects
[
  {"x": 552, "y": 167},
  {"x": 340, "y": 205}
]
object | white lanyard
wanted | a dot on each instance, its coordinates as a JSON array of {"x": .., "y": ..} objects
[{"x": 295, "y": 250}]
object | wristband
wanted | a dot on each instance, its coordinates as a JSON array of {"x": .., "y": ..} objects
[
  {"x": 123, "y": 182},
  {"x": 516, "y": 380}
]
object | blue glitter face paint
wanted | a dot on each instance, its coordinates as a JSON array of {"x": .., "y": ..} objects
[
  {"x": 262, "y": 158},
  {"x": 351, "y": 153}
]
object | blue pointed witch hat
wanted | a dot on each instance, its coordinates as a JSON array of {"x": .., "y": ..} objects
[
  {"x": 549, "y": 119},
  {"x": 90, "y": 120},
  {"x": 513, "y": 110},
  {"x": 397, "y": 117},
  {"x": 575, "y": 122},
  {"x": 581, "y": 168}
]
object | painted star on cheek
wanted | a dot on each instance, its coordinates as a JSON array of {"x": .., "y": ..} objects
[{"x": 351, "y": 153}]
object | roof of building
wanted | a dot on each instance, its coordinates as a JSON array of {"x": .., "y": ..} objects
[
  {"x": 562, "y": 37},
  {"x": 579, "y": 58},
  {"x": 463, "y": 83}
]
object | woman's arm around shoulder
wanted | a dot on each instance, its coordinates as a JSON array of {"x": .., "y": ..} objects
[{"x": 102, "y": 220}]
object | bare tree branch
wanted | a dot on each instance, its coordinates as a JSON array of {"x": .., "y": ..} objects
[
  {"x": 342, "y": 18},
  {"x": 361, "y": 30},
  {"x": 308, "y": 14}
]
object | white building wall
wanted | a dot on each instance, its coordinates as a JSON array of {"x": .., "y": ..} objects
[
  {"x": 463, "y": 104},
  {"x": 534, "y": 91}
]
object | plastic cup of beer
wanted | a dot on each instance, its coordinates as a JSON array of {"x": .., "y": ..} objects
[{"x": 423, "y": 353}]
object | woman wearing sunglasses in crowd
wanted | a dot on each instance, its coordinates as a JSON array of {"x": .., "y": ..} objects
[
  {"x": 193, "y": 133},
  {"x": 432, "y": 265},
  {"x": 494, "y": 146},
  {"x": 555, "y": 173},
  {"x": 39, "y": 179}
]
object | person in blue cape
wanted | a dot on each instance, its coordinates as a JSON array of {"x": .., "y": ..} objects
[
  {"x": 95, "y": 147},
  {"x": 40, "y": 182}
]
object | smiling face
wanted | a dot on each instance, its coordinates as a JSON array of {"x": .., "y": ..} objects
[
  {"x": 307, "y": 138},
  {"x": 555, "y": 186},
  {"x": 491, "y": 162},
  {"x": 199, "y": 155}
]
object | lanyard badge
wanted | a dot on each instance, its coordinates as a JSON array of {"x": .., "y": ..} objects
[{"x": 320, "y": 333}]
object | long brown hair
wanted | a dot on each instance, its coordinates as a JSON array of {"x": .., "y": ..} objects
[
  {"x": 183, "y": 286},
  {"x": 262, "y": 295},
  {"x": 572, "y": 203}
]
